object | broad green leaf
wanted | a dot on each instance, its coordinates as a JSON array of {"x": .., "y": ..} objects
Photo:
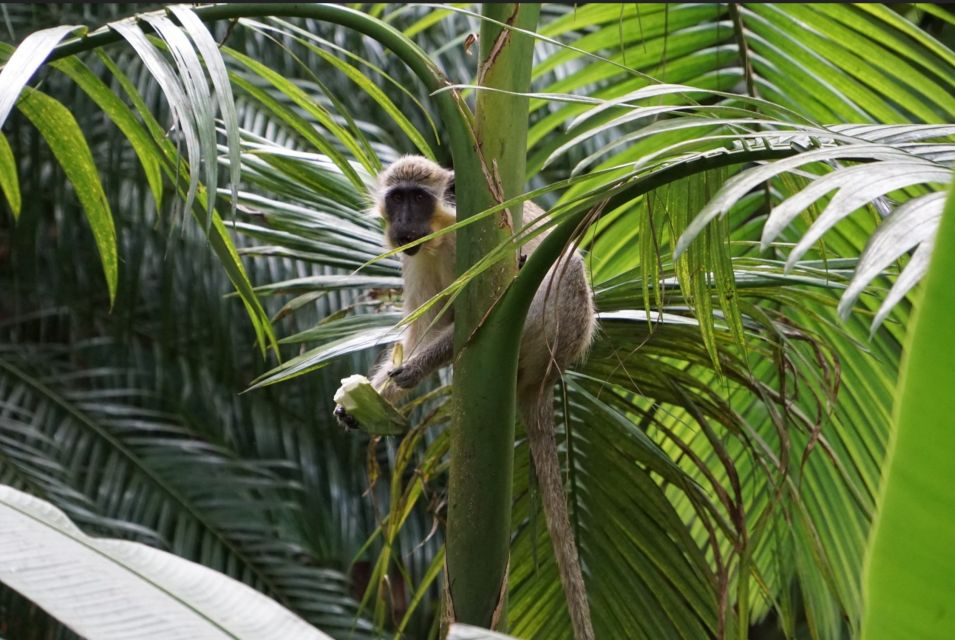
[
  {"x": 910, "y": 569},
  {"x": 9, "y": 182},
  {"x": 59, "y": 128},
  {"x": 104, "y": 588},
  {"x": 24, "y": 62}
]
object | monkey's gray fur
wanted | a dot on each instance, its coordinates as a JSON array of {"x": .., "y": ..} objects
[{"x": 415, "y": 197}]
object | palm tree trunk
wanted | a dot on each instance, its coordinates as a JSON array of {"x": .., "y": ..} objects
[{"x": 485, "y": 366}]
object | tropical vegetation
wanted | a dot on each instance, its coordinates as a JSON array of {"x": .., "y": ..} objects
[{"x": 188, "y": 267}]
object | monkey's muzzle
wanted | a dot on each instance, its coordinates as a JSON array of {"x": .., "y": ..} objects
[{"x": 409, "y": 237}]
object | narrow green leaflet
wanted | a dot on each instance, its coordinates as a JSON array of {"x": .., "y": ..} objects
[
  {"x": 172, "y": 88},
  {"x": 785, "y": 212},
  {"x": 368, "y": 86},
  {"x": 914, "y": 271},
  {"x": 108, "y": 589},
  {"x": 215, "y": 65},
  {"x": 219, "y": 237},
  {"x": 912, "y": 224},
  {"x": 741, "y": 184},
  {"x": 24, "y": 62},
  {"x": 860, "y": 192},
  {"x": 9, "y": 182},
  {"x": 122, "y": 116},
  {"x": 60, "y": 130},
  {"x": 300, "y": 125},
  {"x": 321, "y": 356},
  {"x": 330, "y": 283},
  {"x": 199, "y": 101},
  {"x": 303, "y": 100},
  {"x": 910, "y": 570}
]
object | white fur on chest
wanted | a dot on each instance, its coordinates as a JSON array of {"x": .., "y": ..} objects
[{"x": 425, "y": 275}]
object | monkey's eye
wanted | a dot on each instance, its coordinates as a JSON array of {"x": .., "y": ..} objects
[
  {"x": 418, "y": 197},
  {"x": 397, "y": 196}
]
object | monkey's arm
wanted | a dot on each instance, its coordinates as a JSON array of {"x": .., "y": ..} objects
[
  {"x": 391, "y": 383},
  {"x": 427, "y": 359}
]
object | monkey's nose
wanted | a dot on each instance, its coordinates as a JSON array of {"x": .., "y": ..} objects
[{"x": 413, "y": 250}]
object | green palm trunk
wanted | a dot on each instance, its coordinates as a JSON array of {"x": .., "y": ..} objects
[{"x": 485, "y": 372}]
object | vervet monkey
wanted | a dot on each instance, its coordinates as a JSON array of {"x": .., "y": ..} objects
[{"x": 416, "y": 198}]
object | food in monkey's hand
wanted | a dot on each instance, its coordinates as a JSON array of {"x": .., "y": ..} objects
[{"x": 360, "y": 406}]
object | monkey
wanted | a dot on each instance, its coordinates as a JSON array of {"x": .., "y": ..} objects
[{"x": 415, "y": 197}]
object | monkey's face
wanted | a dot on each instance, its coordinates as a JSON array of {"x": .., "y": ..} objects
[{"x": 409, "y": 211}]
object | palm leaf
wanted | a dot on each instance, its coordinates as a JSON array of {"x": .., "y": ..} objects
[{"x": 138, "y": 592}]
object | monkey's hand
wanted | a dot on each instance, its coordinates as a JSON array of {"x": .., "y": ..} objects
[
  {"x": 407, "y": 375},
  {"x": 345, "y": 419},
  {"x": 358, "y": 405}
]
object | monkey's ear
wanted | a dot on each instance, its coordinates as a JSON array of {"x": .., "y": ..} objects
[{"x": 449, "y": 195}]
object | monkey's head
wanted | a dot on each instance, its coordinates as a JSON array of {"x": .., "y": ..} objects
[{"x": 416, "y": 198}]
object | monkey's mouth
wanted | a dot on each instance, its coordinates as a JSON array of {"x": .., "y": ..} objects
[{"x": 400, "y": 240}]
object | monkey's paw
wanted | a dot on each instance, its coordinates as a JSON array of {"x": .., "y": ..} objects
[
  {"x": 406, "y": 376},
  {"x": 345, "y": 419}
]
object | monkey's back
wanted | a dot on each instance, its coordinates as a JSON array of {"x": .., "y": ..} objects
[{"x": 561, "y": 320}]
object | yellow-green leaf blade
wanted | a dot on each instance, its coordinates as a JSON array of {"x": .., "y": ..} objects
[
  {"x": 910, "y": 571},
  {"x": 62, "y": 133},
  {"x": 9, "y": 182},
  {"x": 122, "y": 116}
]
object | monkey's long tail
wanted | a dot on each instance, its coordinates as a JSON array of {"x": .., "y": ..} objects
[{"x": 537, "y": 415}]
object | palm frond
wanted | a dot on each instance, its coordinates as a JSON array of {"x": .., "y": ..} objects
[{"x": 152, "y": 594}]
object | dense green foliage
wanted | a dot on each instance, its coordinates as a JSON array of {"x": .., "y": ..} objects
[{"x": 725, "y": 439}]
